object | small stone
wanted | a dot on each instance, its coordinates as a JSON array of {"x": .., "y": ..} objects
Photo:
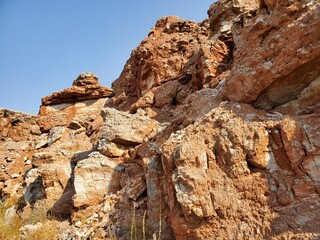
[
  {"x": 55, "y": 134},
  {"x": 42, "y": 141},
  {"x": 135, "y": 188},
  {"x": 111, "y": 150},
  {"x": 41, "y": 158},
  {"x": 15, "y": 175},
  {"x": 35, "y": 130},
  {"x": 78, "y": 224},
  {"x": 28, "y": 162},
  {"x": 8, "y": 160},
  {"x": 10, "y": 214}
]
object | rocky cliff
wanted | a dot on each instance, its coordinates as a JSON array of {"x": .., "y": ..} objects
[{"x": 210, "y": 132}]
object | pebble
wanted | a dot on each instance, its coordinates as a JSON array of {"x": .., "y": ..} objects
[
  {"x": 78, "y": 224},
  {"x": 15, "y": 175},
  {"x": 27, "y": 162}
]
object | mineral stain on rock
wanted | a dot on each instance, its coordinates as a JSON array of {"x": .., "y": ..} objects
[{"x": 210, "y": 132}]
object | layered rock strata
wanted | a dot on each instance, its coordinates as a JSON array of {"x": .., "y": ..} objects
[{"x": 85, "y": 87}]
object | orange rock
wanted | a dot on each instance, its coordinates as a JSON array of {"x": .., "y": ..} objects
[
  {"x": 85, "y": 87},
  {"x": 180, "y": 158}
]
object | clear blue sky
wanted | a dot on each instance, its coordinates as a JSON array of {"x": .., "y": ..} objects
[{"x": 45, "y": 44}]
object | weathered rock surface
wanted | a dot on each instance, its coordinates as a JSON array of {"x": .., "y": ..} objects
[
  {"x": 271, "y": 74},
  {"x": 224, "y": 14},
  {"x": 85, "y": 87},
  {"x": 17, "y": 126},
  {"x": 225, "y": 166},
  {"x": 125, "y": 129},
  {"x": 17, "y": 134},
  {"x": 94, "y": 177},
  {"x": 210, "y": 132},
  {"x": 86, "y": 114},
  {"x": 175, "y": 59}
]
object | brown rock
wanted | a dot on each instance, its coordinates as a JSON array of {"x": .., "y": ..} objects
[
  {"x": 271, "y": 4},
  {"x": 63, "y": 114},
  {"x": 177, "y": 57},
  {"x": 40, "y": 158},
  {"x": 85, "y": 87},
  {"x": 303, "y": 187},
  {"x": 17, "y": 126},
  {"x": 205, "y": 168},
  {"x": 263, "y": 77},
  {"x": 135, "y": 188},
  {"x": 312, "y": 166}
]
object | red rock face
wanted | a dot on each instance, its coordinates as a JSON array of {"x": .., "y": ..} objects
[
  {"x": 210, "y": 132},
  {"x": 271, "y": 73},
  {"x": 175, "y": 59}
]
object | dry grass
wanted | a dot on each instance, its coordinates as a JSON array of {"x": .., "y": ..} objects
[
  {"x": 138, "y": 229},
  {"x": 10, "y": 230}
]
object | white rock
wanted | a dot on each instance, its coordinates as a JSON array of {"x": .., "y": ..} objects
[
  {"x": 27, "y": 162},
  {"x": 15, "y": 175},
  {"x": 10, "y": 214},
  {"x": 29, "y": 229},
  {"x": 17, "y": 145},
  {"x": 78, "y": 224},
  {"x": 42, "y": 141},
  {"x": 93, "y": 178},
  {"x": 55, "y": 134}
]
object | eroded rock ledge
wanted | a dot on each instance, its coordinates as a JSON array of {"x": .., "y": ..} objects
[{"x": 85, "y": 87}]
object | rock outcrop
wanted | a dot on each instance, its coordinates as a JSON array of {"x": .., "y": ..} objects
[
  {"x": 17, "y": 132},
  {"x": 176, "y": 59},
  {"x": 85, "y": 87},
  {"x": 210, "y": 132}
]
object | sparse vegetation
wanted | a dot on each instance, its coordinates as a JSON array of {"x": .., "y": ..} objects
[
  {"x": 9, "y": 228},
  {"x": 9, "y": 231},
  {"x": 138, "y": 229},
  {"x": 133, "y": 231},
  {"x": 144, "y": 225}
]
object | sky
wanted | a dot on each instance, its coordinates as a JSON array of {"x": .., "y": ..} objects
[{"x": 46, "y": 44}]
